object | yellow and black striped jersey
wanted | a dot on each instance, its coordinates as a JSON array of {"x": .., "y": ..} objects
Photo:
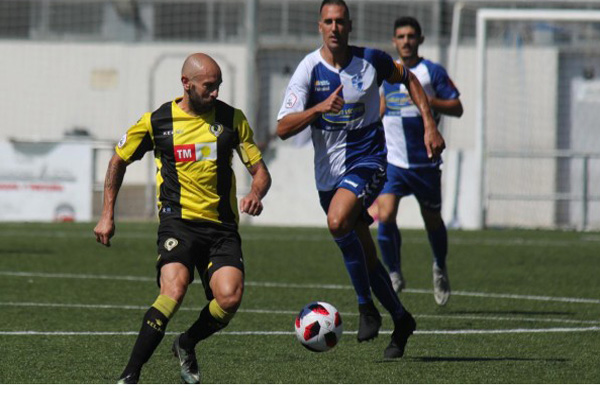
[{"x": 193, "y": 155}]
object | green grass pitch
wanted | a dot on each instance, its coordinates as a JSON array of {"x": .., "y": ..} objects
[{"x": 525, "y": 308}]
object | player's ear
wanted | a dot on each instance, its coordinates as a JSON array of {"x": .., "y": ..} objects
[
  {"x": 421, "y": 40},
  {"x": 185, "y": 82},
  {"x": 349, "y": 25}
]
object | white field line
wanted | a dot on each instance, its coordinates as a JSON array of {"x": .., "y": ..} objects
[
  {"x": 304, "y": 286},
  {"x": 289, "y": 333},
  {"x": 291, "y": 313},
  {"x": 585, "y": 239}
]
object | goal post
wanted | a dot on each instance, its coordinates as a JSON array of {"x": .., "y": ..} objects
[{"x": 528, "y": 143}]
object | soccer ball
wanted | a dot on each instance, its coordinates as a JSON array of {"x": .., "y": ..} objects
[{"x": 319, "y": 326}]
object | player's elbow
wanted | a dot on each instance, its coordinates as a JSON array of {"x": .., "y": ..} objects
[
  {"x": 283, "y": 132},
  {"x": 453, "y": 108},
  {"x": 458, "y": 110}
]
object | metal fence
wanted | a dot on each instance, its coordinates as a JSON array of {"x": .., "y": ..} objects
[{"x": 278, "y": 33}]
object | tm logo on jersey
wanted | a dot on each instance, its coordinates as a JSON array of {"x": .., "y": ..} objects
[
  {"x": 349, "y": 113},
  {"x": 195, "y": 152}
]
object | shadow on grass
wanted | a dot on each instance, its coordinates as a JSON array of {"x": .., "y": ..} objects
[
  {"x": 510, "y": 312},
  {"x": 27, "y": 251},
  {"x": 487, "y": 359},
  {"x": 474, "y": 359}
]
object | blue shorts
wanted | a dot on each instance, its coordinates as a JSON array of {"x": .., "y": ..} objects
[
  {"x": 365, "y": 183},
  {"x": 424, "y": 183}
]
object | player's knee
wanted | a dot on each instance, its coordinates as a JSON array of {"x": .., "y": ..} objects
[
  {"x": 174, "y": 289},
  {"x": 174, "y": 281},
  {"x": 386, "y": 216},
  {"x": 220, "y": 313},
  {"x": 175, "y": 292},
  {"x": 229, "y": 297},
  {"x": 230, "y": 302},
  {"x": 387, "y": 206},
  {"x": 338, "y": 226},
  {"x": 432, "y": 219}
]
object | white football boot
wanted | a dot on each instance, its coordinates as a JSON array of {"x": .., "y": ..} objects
[
  {"x": 398, "y": 281},
  {"x": 441, "y": 285}
]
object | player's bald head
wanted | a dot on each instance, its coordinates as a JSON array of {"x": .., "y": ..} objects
[
  {"x": 201, "y": 79},
  {"x": 199, "y": 63}
]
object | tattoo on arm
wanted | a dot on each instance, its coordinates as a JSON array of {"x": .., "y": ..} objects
[
  {"x": 114, "y": 176},
  {"x": 112, "y": 183}
]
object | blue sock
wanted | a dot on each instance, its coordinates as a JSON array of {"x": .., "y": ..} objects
[
  {"x": 390, "y": 240},
  {"x": 354, "y": 258},
  {"x": 438, "y": 239},
  {"x": 382, "y": 287}
]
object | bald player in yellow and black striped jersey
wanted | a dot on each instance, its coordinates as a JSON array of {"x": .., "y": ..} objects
[
  {"x": 193, "y": 138},
  {"x": 193, "y": 158}
]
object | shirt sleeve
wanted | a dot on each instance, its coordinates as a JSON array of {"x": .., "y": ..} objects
[
  {"x": 386, "y": 68},
  {"x": 296, "y": 94},
  {"x": 247, "y": 150},
  {"x": 442, "y": 84},
  {"x": 137, "y": 141}
]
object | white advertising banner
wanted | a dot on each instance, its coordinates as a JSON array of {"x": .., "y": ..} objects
[{"x": 46, "y": 181}]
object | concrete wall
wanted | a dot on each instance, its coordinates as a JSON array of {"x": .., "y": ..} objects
[{"x": 50, "y": 88}]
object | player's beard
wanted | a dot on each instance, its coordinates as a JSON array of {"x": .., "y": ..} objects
[
  {"x": 337, "y": 43},
  {"x": 198, "y": 104}
]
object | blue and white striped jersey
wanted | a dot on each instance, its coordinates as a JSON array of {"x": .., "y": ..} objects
[
  {"x": 353, "y": 137},
  {"x": 402, "y": 120}
]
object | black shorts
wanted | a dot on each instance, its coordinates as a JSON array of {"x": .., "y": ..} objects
[{"x": 204, "y": 246}]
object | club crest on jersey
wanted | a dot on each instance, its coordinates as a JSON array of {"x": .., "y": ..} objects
[
  {"x": 357, "y": 81},
  {"x": 216, "y": 129},
  {"x": 171, "y": 243}
]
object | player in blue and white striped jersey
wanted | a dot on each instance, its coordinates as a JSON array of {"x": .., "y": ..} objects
[
  {"x": 335, "y": 92},
  {"x": 410, "y": 170}
]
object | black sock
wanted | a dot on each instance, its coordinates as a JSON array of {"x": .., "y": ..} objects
[
  {"x": 153, "y": 330},
  {"x": 204, "y": 326}
]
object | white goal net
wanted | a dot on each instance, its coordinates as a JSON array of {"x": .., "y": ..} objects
[{"x": 538, "y": 96}]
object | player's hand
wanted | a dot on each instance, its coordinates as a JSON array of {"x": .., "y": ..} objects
[
  {"x": 251, "y": 205},
  {"x": 334, "y": 103},
  {"x": 434, "y": 143},
  {"x": 104, "y": 230}
]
